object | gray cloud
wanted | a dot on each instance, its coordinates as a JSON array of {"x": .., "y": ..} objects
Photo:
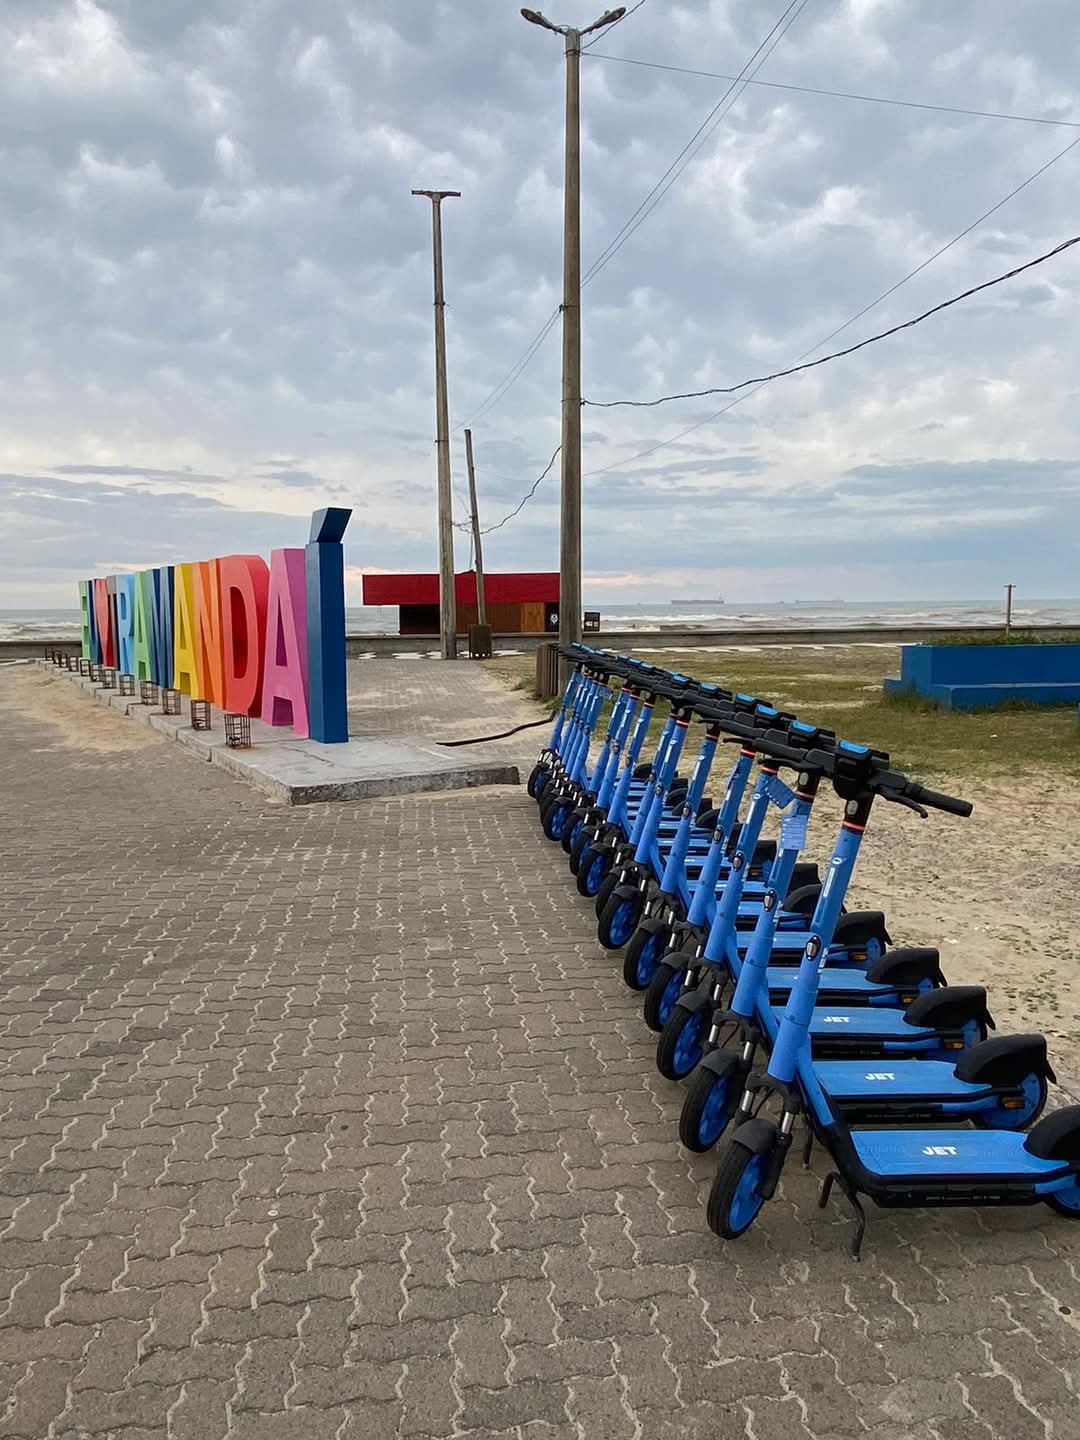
[{"x": 209, "y": 256}]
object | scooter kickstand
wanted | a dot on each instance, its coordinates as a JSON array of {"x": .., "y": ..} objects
[
  {"x": 834, "y": 1177},
  {"x": 808, "y": 1149}
]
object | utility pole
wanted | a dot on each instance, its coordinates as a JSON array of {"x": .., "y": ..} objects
[
  {"x": 481, "y": 604},
  {"x": 1008, "y": 608},
  {"x": 447, "y": 599},
  {"x": 570, "y": 521}
]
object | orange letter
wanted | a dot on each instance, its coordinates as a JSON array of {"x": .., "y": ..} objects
[{"x": 244, "y": 582}]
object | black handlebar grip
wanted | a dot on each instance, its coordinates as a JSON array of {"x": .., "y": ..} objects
[{"x": 936, "y": 801}]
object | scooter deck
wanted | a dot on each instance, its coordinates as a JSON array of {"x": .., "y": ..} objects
[
  {"x": 839, "y": 1028},
  {"x": 840, "y": 986},
  {"x": 934, "y": 1081},
  {"x": 970, "y": 1155}
]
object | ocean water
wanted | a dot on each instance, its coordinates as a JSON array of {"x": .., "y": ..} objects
[{"x": 796, "y": 615}]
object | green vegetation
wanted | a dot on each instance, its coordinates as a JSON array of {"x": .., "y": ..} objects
[
  {"x": 839, "y": 687},
  {"x": 1015, "y": 637}
]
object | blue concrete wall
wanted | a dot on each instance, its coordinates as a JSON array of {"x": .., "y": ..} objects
[{"x": 972, "y": 677}]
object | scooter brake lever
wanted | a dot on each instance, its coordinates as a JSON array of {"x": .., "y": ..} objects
[{"x": 908, "y": 804}]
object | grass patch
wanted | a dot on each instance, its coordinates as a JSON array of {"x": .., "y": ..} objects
[
  {"x": 840, "y": 687},
  {"x": 1015, "y": 637}
]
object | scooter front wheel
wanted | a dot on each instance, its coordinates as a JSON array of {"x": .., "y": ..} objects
[
  {"x": 555, "y": 818},
  {"x": 603, "y": 895},
  {"x": 681, "y": 1045},
  {"x": 594, "y": 867},
  {"x": 619, "y": 919},
  {"x": 643, "y": 955},
  {"x": 585, "y": 836},
  {"x": 538, "y": 778},
  {"x": 735, "y": 1200},
  {"x": 711, "y": 1101},
  {"x": 663, "y": 992}
]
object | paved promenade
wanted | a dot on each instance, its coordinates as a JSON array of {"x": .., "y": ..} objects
[{"x": 332, "y": 1123}]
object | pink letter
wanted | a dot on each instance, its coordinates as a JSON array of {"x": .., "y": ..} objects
[{"x": 284, "y": 691}]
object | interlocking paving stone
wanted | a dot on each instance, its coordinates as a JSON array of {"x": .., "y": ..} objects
[{"x": 335, "y": 1122}]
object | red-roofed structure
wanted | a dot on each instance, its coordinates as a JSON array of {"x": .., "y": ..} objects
[{"x": 526, "y": 603}]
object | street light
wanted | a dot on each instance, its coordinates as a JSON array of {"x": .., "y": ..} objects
[{"x": 570, "y": 500}]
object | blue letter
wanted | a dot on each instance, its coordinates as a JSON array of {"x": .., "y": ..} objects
[
  {"x": 328, "y": 714},
  {"x": 125, "y": 624},
  {"x": 162, "y": 623}
]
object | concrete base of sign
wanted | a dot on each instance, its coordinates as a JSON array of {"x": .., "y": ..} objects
[{"x": 301, "y": 772}]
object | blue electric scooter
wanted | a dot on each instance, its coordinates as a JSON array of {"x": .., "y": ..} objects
[
  {"x": 1000, "y": 1082},
  {"x": 894, "y": 1167}
]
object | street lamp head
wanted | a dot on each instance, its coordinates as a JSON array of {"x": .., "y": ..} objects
[
  {"x": 609, "y": 17},
  {"x": 535, "y": 18}
]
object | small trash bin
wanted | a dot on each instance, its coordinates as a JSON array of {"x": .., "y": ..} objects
[
  {"x": 479, "y": 642},
  {"x": 547, "y": 670}
]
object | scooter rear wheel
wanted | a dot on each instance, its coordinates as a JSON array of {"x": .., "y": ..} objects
[
  {"x": 1066, "y": 1202},
  {"x": 735, "y": 1200},
  {"x": 663, "y": 991},
  {"x": 1035, "y": 1092}
]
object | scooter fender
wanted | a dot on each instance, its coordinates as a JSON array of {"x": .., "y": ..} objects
[
  {"x": 762, "y": 1137},
  {"x": 627, "y": 892},
  {"x": 1005, "y": 1060},
  {"x": 949, "y": 1008},
  {"x": 757, "y": 1135},
  {"x": 694, "y": 1002},
  {"x": 858, "y": 926},
  {"x": 717, "y": 1061},
  {"x": 908, "y": 968},
  {"x": 654, "y": 925}
]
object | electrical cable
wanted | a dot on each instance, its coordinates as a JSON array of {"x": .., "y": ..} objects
[
  {"x": 502, "y": 735},
  {"x": 603, "y": 34},
  {"x": 850, "y": 349},
  {"x": 738, "y": 400},
  {"x": 524, "y": 499},
  {"x": 696, "y": 141},
  {"x": 844, "y": 94},
  {"x": 514, "y": 373}
]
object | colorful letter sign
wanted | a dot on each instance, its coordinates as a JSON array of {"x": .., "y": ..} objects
[{"x": 253, "y": 640}]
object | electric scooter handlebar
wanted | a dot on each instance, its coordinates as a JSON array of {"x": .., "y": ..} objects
[{"x": 920, "y": 795}]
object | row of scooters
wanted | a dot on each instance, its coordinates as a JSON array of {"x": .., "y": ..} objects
[{"x": 772, "y": 1001}]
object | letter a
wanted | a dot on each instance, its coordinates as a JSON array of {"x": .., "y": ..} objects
[
  {"x": 284, "y": 697},
  {"x": 185, "y": 667}
]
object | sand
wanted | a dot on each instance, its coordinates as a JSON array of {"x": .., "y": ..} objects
[
  {"x": 68, "y": 715},
  {"x": 999, "y": 894}
]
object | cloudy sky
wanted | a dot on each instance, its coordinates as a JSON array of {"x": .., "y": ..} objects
[{"x": 216, "y": 290}]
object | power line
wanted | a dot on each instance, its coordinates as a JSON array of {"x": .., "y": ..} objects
[
  {"x": 696, "y": 141},
  {"x": 844, "y": 94},
  {"x": 746, "y": 395},
  {"x": 850, "y": 350},
  {"x": 516, "y": 370},
  {"x": 633, "y": 9},
  {"x": 524, "y": 499},
  {"x": 519, "y": 366}
]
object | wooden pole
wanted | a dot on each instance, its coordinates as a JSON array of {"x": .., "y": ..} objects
[
  {"x": 1008, "y": 608},
  {"x": 570, "y": 522},
  {"x": 481, "y": 604},
  {"x": 447, "y": 598}
]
